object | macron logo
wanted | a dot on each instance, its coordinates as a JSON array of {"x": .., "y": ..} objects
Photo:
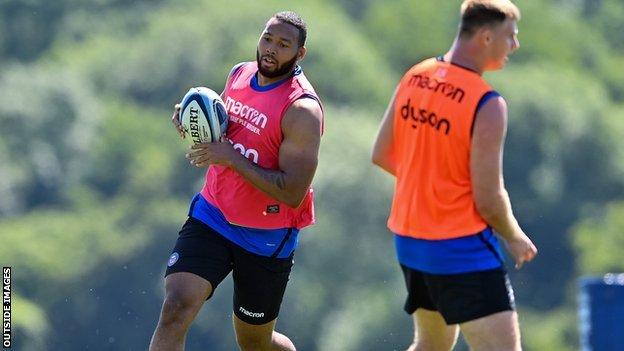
[
  {"x": 249, "y": 114},
  {"x": 251, "y": 314}
]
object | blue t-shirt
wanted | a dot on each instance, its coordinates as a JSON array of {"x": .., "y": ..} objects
[
  {"x": 473, "y": 253},
  {"x": 278, "y": 243}
]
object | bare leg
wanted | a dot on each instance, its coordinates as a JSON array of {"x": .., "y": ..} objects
[
  {"x": 185, "y": 295},
  {"x": 431, "y": 333},
  {"x": 497, "y": 332},
  {"x": 252, "y": 337}
]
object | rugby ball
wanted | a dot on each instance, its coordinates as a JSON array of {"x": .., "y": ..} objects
[{"x": 203, "y": 116}]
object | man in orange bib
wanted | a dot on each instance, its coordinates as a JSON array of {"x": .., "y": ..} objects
[{"x": 442, "y": 138}]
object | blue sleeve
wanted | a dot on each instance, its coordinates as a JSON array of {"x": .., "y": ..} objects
[
  {"x": 232, "y": 72},
  {"x": 235, "y": 69},
  {"x": 485, "y": 98}
]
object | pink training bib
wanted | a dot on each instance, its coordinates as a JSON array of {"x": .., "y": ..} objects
[{"x": 254, "y": 129}]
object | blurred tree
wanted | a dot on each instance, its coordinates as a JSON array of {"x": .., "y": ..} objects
[
  {"x": 29, "y": 323},
  {"x": 29, "y": 27},
  {"x": 407, "y": 31},
  {"x": 599, "y": 242},
  {"x": 49, "y": 116},
  {"x": 555, "y": 330},
  {"x": 118, "y": 65}
]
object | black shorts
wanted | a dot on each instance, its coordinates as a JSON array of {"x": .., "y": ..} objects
[
  {"x": 459, "y": 297},
  {"x": 259, "y": 281}
]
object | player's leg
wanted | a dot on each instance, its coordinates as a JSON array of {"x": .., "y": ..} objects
[
  {"x": 200, "y": 260},
  {"x": 430, "y": 330},
  {"x": 482, "y": 303},
  {"x": 496, "y": 332},
  {"x": 185, "y": 294},
  {"x": 432, "y": 333},
  {"x": 260, "y": 337},
  {"x": 259, "y": 285}
]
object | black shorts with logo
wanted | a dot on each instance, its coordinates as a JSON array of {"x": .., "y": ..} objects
[
  {"x": 459, "y": 297},
  {"x": 259, "y": 281}
]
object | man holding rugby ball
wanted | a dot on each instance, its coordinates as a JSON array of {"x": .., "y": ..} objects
[{"x": 256, "y": 196}]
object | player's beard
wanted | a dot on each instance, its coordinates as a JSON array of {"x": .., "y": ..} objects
[{"x": 280, "y": 70}]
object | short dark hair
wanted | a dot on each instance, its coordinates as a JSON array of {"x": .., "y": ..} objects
[
  {"x": 295, "y": 20},
  {"x": 480, "y": 13}
]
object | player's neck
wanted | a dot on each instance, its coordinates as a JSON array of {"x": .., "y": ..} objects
[
  {"x": 264, "y": 81},
  {"x": 467, "y": 55}
]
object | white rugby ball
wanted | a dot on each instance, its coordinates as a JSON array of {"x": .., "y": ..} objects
[{"x": 203, "y": 115}]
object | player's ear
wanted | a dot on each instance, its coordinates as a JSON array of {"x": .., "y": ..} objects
[
  {"x": 485, "y": 35},
  {"x": 301, "y": 53}
]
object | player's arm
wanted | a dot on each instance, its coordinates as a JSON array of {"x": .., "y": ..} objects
[
  {"x": 486, "y": 170},
  {"x": 382, "y": 154},
  {"x": 298, "y": 155}
]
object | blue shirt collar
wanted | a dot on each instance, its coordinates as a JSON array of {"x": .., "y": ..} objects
[{"x": 257, "y": 87}]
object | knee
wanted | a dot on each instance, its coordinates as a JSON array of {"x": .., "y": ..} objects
[
  {"x": 431, "y": 345},
  {"x": 253, "y": 342},
  {"x": 177, "y": 308}
]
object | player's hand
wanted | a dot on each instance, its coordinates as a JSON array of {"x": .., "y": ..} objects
[
  {"x": 522, "y": 249},
  {"x": 215, "y": 153},
  {"x": 175, "y": 119}
]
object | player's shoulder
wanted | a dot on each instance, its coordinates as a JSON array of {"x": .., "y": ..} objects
[
  {"x": 417, "y": 69},
  {"x": 304, "y": 113},
  {"x": 307, "y": 106},
  {"x": 491, "y": 97},
  {"x": 423, "y": 65},
  {"x": 493, "y": 113},
  {"x": 237, "y": 68},
  {"x": 493, "y": 102}
]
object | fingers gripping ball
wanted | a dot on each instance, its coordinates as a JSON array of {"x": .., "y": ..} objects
[{"x": 203, "y": 116}]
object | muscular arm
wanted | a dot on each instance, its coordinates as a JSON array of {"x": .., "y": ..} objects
[
  {"x": 382, "y": 154},
  {"x": 486, "y": 167},
  {"x": 486, "y": 170},
  {"x": 298, "y": 156}
]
